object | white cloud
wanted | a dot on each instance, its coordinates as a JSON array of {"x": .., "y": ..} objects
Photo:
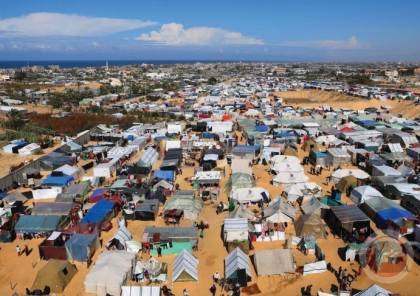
[
  {"x": 176, "y": 34},
  {"x": 351, "y": 43},
  {"x": 59, "y": 24}
]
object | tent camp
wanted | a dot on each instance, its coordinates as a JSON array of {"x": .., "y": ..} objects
[
  {"x": 237, "y": 266},
  {"x": 246, "y": 195},
  {"x": 185, "y": 267},
  {"x": 111, "y": 270},
  {"x": 310, "y": 225},
  {"x": 301, "y": 190},
  {"x": 81, "y": 247},
  {"x": 56, "y": 274},
  {"x": 274, "y": 262},
  {"x": 362, "y": 193}
]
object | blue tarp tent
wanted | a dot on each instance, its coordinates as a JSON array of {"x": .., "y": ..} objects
[
  {"x": 392, "y": 214},
  {"x": 164, "y": 175},
  {"x": 261, "y": 128},
  {"x": 245, "y": 149},
  {"x": 80, "y": 247},
  {"x": 208, "y": 136},
  {"x": 38, "y": 224},
  {"x": 98, "y": 212},
  {"x": 57, "y": 180}
]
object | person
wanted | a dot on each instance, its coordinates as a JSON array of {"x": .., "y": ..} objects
[
  {"x": 159, "y": 251},
  {"x": 216, "y": 277},
  {"x": 185, "y": 292},
  {"x": 213, "y": 289},
  {"x": 26, "y": 250},
  {"x": 18, "y": 250}
]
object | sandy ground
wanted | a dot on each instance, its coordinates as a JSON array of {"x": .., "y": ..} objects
[
  {"x": 316, "y": 98},
  {"x": 17, "y": 273},
  {"x": 61, "y": 88}
]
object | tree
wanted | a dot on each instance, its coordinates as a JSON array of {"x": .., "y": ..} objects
[
  {"x": 15, "y": 120},
  {"x": 212, "y": 80},
  {"x": 20, "y": 75}
]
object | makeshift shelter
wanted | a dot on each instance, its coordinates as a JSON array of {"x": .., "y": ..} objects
[
  {"x": 247, "y": 195},
  {"x": 239, "y": 180},
  {"x": 185, "y": 201},
  {"x": 294, "y": 192},
  {"x": 81, "y": 247},
  {"x": 69, "y": 170},
  {"x": 185, "y": 267},
  {"x": 347, "y": 221},
  {"x": 206, "y": 177},
  {"x": 140, "y": 291},
  {"x": 238, "y": 267},
  {"x": 29, "y": 149},
  {"x": 315, "y": 267},
  {"x": 274, "y": 262},
  {"x": 52, "y": 208},
  {"x": 53, "y": 247},
  {"x": 111, "y": 270},
  {"x": 147, "y": 210},
  {"x": 55, "y": 160},
  {"x": 373, "y": 291},
  {"x": 57, "y": 181},
  {"x": 164, "y": 175},
  {"x": 394, "y": 215},
  {"x": 98, "y": 194},
  {"x": 46, "y": 193},
  {"x": 56, "y": 274},
  {"x": 342, "y": 173},
  {"x": 311, "y": 226},
  {"x": 38, "y": 224},
  {"x": 75, "y": 192},
  {"x": 240, "y": 165},
  {"x": 337, "y": 156},
  {"x": 279, "y": 212},
  {"x": 14, "y": 196},
  {"x": 236, "y": 234},
  {"x": 241, "y": 211},
  {"x": 362, "y": 193},
  {"x": 286, "y": 178},
  {"x": 346, "y": 184},
  {"x": 310, "y": 145},
  {"x": 99, "y": 212},
  {"x": 386, "y": 257}
]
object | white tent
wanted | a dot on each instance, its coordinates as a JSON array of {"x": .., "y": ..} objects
[
  {"x": 185, "y": 267},
  {"x": 69, "y": 170},
  {"x": 341, "y": 173},
  {"x": 252, "y": 113},
  {"x": 315, "y": 267},
  {"x": 374, "y": 290},
  {"x": 284, "y": 178},
  {"x": 274, "y": 261},
  {"x": 47, "y": 193},
  {"x": 174, "y": 128},
  {"x": 111, "y": 271},
  {"x": 286, "y": 163},
  {"x": 245, "y": 195},
  {"x": 362, "y": 193},
  {"x": 172, "y": 144},
  {"x": 235, "y": 261},
  {"x": 295, "y": 191},
  {"x": 29, "y": 149},
  {"x": 140, "y": 291},
  {"x": 240, "y": 165}
]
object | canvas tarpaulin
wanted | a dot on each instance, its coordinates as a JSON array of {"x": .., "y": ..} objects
[
  {"x": 310, "y": 225},
  {"x": 38, "y": 224},
  {"x": 185, "y": 267},
  {"x": 56, "y": 274},
  {"x": 235, "y": 261},
  {"x": 80, "y": 247},
  {"x": 98, "y": 212},
  {"x": 274, "y": 262}
]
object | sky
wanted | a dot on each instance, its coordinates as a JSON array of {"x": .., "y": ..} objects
[{"x": 264, "y": 30}]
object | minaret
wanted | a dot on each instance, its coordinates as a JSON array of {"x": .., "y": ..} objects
[{"x": 106, "y": 66}]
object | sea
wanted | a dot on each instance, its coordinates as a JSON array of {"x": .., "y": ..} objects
[{"x": 100, "y": 63}]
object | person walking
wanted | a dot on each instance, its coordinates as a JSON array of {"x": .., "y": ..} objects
[
  {"x": 185, "y": 293},
  {"x": 213, "y": 289},
  {"x": 18, "y": 251},
  {"x": 216, "y": 277},
  {"x": 159, "y": 251}
]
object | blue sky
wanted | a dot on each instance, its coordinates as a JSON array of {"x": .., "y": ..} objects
[{"x": 281, "y": 30}]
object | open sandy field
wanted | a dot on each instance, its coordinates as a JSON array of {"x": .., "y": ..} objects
[
  {"x": 316, "y": 98},
  {"x": 17, "y": 273}
]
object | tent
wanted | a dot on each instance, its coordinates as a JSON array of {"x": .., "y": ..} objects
[
  {"x": 337, "y": 156},
  {"x": 310, "y": 225},
  {"x": 185, "y": 267},
  {"x": 347, "y": 183},
  {"x": 289, "y": 151},
  {"x": 285, "y": 178},
  {"x": 140, "y": 291},
  {"x": 241, "y": 165},
  {"x": 69, "y": 170},
  {"x": 394, "y": 215},
  {"x": 56, "y": 274},
  {"x": 242, "y": 211},
  {"x": 38, "y": 224},
  {"x": 310, "y": 145},
  {"x": 374, "y": 290},
  {"x": 75, "y": 192},
  {"x": 185, "y": 201},
  {"x": 236, "y": 263},
  {"x": 111, "y": 270},
  {"x": 81, "y": 247},
  {"x": 279, "y": 212},
  {"x": 274, "y": 262},
  {"x": 236, "y": 233},
  {"x": 59, "y": 181},
  {"x": 362, "y": 193},
  {"x": 245, "y": 195},
  {"x": 239, "y": 180},
  {"x": 299, "y": 190},
  {"x": 341, "y": 173},
  {"x": 52, "y": 208},
  {"x": 164, "y": 175},
  {"x": 147, "y": 210},
  {"x": 98, "y": 194},
  {"x": 343, "y": 219},
  {"x": 14, "y": 196},
  {"x": 315, "y": 267},
  {"x": 30, "y": 149},
  {"x": 98, "y": 212}
]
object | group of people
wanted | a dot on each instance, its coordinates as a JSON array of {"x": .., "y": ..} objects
[{"x": 25, "y": 250}]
